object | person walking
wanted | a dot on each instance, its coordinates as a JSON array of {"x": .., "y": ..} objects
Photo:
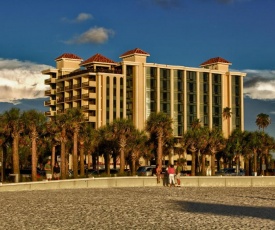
[
  {"x": 56, "y": 171},
  {"x": 178, "y": 172},
  {"x": 171, "y": 173},
  {"x": 48, "y": 169}
]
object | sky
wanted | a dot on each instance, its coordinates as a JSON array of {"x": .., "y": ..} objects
[{"x": 176, "y": 32}]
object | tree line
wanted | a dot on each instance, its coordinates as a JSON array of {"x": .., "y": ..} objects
[{"x": 27, "y": 138}]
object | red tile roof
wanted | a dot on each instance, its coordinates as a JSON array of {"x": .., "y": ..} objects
[
  {"x": 69, "y": 56},
  {"x": 98, "y": 58},
  {"x": 215, "y": 60},
  {"x": 134, "y": 51}
]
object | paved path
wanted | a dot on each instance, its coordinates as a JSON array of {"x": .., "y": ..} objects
[{"x": 139, "y": 208}]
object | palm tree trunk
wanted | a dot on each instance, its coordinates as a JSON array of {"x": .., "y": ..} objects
[
  {"x": 212, "y": 164},
  {"x": 94, "y": 161},
  {"x": 203, "y": 165},
  {"x": 89, "y": 159},
  {"x": 193, "y": 166},
  {"x": 159, "y": 151},
  {"x": 122, "y": 145},
  {"x": 34, "y": 158},
  {"x": 63, "y": 153},
  {"x": 53, "y": 156},
  {"x": 133, "y": 167},
  {"x": 63, "y": 160},
  {"x": 15, "y": 155},
  {"x": 263, "y": 163},
  {"x": 75, "y": 161},
  {"x": 108, "y": 163},
  {"x": 247, "y": 160},
  {"x": 81, "y": 153},
  {"x": 255, "y": 161}
]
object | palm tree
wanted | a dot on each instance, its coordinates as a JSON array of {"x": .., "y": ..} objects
[
  {"x": 52, "y": 138},
  {"x": 137, "y": 146},
  {"x": 196, "y": 124},
  {"x": 75, "y": 117},
  {"x": 226, "y": 112},
  {"x": 121, "y": 131},
  {"x": 237, "y": 143},
  {"x": 82, "y": 136},
  {"x": 160, "y": 124},
  {"x": 262, "y": 121},
  {"x": 13, "y": 126},
  {"x": 215, "y": 144},
  {"x": 190, "y": 142},
  {"x": 267, "y": 143},
  {"x": 254, "y": 144},
  {"x": 203, "y": 147},
  {"x": 92, "y": 140},
  {"x": 227, "y": 115},
  {"x": 34, "y": 123},
  {"x": 61, "y": 122}
]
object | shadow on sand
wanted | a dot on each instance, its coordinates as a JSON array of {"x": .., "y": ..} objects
[{"x": 226, "y": 210}]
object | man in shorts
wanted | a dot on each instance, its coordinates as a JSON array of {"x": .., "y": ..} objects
[{"x": 48, "y": 169}]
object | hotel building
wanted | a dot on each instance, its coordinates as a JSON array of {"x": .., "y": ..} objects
[{"x": 132, "y": 88}]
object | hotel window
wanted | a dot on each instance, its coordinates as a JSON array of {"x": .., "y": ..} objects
[
  {"x": 191, "y": 94},
  {"x": 216, "y": 100},
  {"x": 107, "y": 99},
  {"x": 165, "y": 90},
  {"x": 121, "y": 97},
  {"x": 151, "y": 91},
  {"x": 129, "y": 91}
]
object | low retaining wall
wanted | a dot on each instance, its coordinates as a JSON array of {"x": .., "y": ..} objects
[{"x": 108, "y": 182}]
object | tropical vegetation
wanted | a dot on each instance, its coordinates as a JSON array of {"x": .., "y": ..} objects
[{"x": 28, "y": 139}]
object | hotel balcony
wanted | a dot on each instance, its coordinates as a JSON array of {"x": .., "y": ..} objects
[
  {"x": 85, "y": 107},
  {"x": 50, "y": 92},
  {"x": 59, "y": 111},
  {"x": 91, "y": 119},
  {"x": 88, "y": 107},
  {"x": 60, "y": 89},
  {"x": 50, "y": 113},
  {"x": 77, "y": 97},
  {"x": 50, "y": 81},
  {"x": 60, "y": 100},
  {"x": 68, "y": 99},
  {"x": 88, "y": 84},
  {"x": 76, "y": 86},
  {"x": 89, "y": 95},
  {"x": 68, "y": 87},
  {"x": 92, "y": 107},
  {"x": 49, "y": 102}
]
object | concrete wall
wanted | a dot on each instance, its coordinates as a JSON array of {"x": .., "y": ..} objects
[{"x": 214, "y": 181}]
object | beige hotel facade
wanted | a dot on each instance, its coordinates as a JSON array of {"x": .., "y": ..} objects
[{"x": 133, "y": 89}]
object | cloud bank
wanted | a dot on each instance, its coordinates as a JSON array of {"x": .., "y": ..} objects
[
  {"x": 21, "y": 80},
  {"x": 96, "y": 35},
  {"x": 24, "y": 80},
  {"x": 259, "y": 84}
]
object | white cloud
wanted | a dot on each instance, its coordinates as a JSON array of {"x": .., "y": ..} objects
[
  {"x": 80, "y": 18},
  {"x": 259, "y": 84},
  {"x": 83, "y": 17},
  {"x": 96, "y": 35},
  {"x": 21, "y": 80}
]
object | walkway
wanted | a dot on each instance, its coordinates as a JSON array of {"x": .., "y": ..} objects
[{"x": 139, "y": 208}]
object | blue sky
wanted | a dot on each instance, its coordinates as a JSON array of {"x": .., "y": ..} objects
[{"x": 177, "y": 32}]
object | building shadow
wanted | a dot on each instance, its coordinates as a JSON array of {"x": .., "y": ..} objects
[{"x": 226, "y": 210}]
